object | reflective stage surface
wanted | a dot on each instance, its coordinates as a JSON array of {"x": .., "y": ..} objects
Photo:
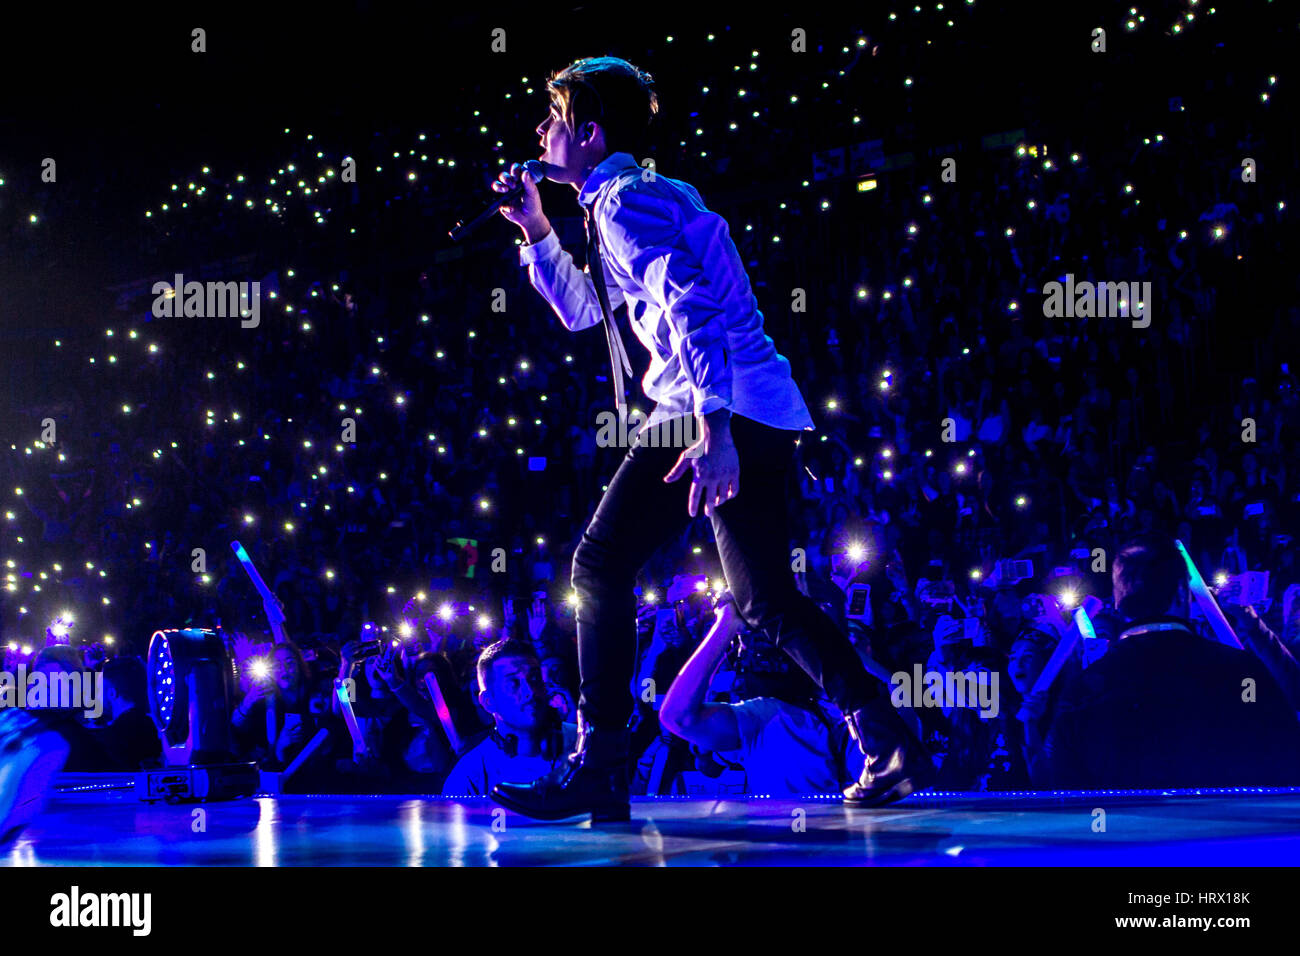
[{"x": 105, "y": 824}]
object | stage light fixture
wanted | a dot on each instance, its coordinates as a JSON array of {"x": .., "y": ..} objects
[{"x": 191, "y": 675}]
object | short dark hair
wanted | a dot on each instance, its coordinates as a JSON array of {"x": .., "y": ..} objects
[
  {"x": 64, "y": 656},
  {"x": 611, "y": 92},
  {"x": 126, "y": 676},
  {"x": 1147, "y": 575},
  {"x": 499, "y": 651}
]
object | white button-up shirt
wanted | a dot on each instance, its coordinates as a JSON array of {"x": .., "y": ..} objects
[{"x": 673, "y": 263}]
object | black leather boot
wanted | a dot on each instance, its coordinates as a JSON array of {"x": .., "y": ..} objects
[
  {"x": 592, "y": 779},
  {"x": 897, "y": 762}
]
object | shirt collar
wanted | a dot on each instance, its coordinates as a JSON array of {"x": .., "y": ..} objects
[{"x": 603, "y": 173}]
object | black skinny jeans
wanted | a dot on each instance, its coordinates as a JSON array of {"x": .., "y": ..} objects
[{"x": 640, "y": 512}]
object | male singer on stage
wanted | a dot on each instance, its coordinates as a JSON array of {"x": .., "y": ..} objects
[{"x": 653, "y": 246}]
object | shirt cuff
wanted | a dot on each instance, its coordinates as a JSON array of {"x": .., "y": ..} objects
[
  {"x": 544, "y": 248},
  {"x": 708, "y": 400}
]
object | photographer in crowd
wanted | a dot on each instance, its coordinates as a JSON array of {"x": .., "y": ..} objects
[
  {"x": 1167, "y": 707},
  {"x": 527, "y": 736},
  {"x": 781, "y": 730}
]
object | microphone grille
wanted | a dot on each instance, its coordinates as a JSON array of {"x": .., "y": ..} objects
[{"x": 536, "y": 169}]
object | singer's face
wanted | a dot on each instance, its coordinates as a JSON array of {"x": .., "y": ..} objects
[
  {"x": 557, "y": 143},
  {"x": 570, "y": 157}
]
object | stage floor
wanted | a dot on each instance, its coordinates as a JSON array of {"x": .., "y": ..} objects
[{"x": 106, "y": 825}]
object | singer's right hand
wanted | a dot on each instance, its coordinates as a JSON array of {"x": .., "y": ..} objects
[{"x": 526, "y": 214}]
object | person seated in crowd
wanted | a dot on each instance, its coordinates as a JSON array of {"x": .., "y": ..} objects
[
  {"x": 32, "y": 751},
  {"x": 1258, "y": 638},
  {"x": 963, "y": 732},
  {"x": 785, "y": 735},
  {"x": 561, "y": 687},
  {"x": 428, "y": 751},
  {"x": 273, "y": 722},
  {"x": 527, "y": 737},
  {"x": 1024, "y": 727},
  {"x": 61, "y": 665},
  {"x": 675, "y": 627},
  {"x": 382, "y": 702},
  {"x": 1166, "y": 707},
  {"x": 130, "y": 738}
]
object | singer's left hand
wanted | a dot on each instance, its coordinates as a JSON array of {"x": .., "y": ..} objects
[{"x": 716, "y": 468}]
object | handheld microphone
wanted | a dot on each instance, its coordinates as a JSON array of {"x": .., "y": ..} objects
[{"x": 534, "y": 168}]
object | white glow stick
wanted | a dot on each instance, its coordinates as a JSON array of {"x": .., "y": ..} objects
[
  {"x": 312, "y": 746},
  {"x": 1205, "y": 600},
  {"x": 350, "y": 718},
  {"x": 1064, "y": 647},
  {"x": 273, "y": 612},
  {"x": 1084, "y": 623}
]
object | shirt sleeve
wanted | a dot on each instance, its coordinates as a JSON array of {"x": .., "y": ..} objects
[
  {"x": 1057, "y": 765},
  {"x": 751, "y": 716},
  {"x": 644, "y": 232},
  {"x": 466, "y": 777},
  {"x": 568, "y": 289}
]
